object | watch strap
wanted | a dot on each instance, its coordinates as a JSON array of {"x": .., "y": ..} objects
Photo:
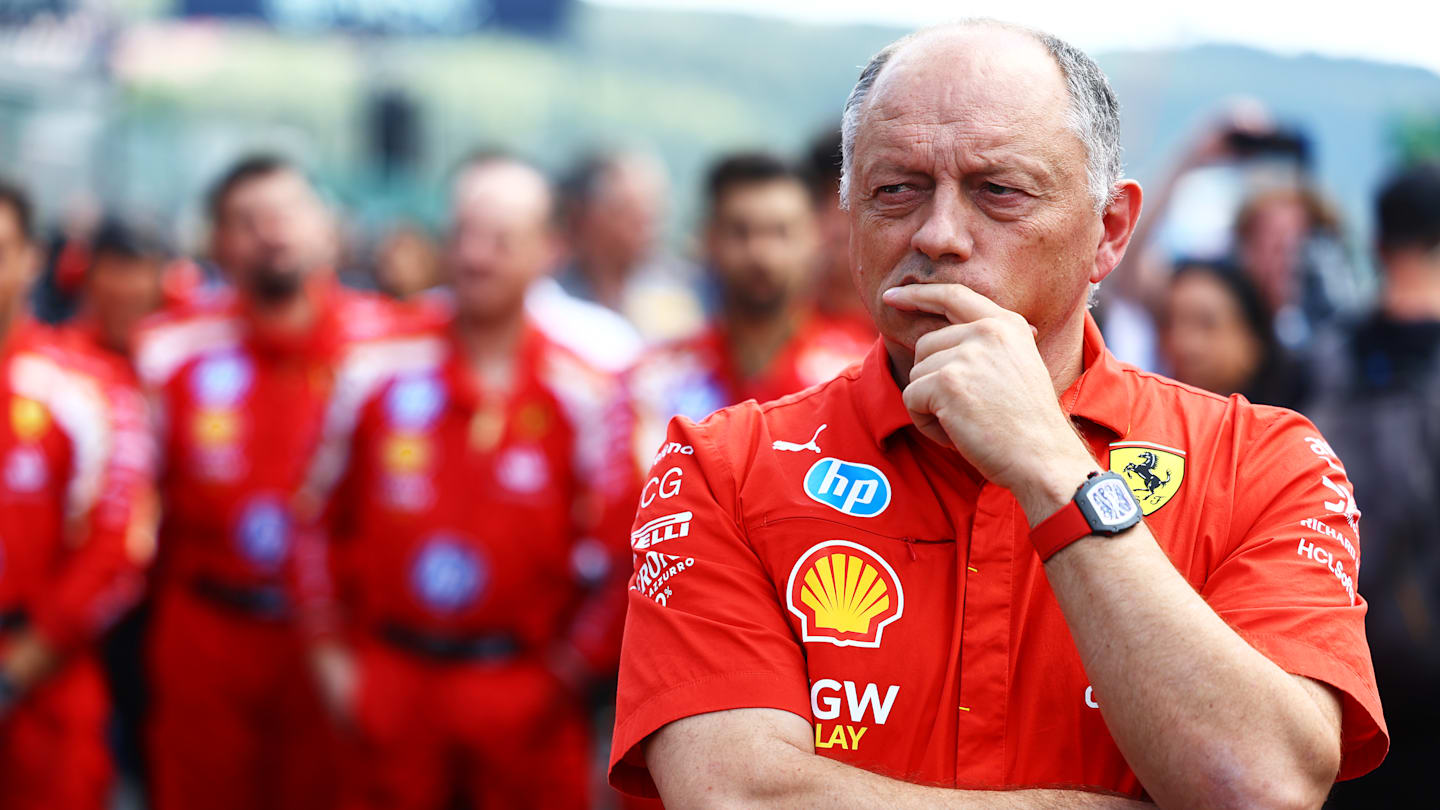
[{"x": 1060, "y": 530}]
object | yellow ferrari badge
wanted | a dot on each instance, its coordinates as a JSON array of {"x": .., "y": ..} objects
[{"x": 1153, "y": 471}]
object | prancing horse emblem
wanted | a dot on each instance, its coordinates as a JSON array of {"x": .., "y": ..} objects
[
  {"x": 792, "y": 447},
  {"x": 1145, "y": 471}
]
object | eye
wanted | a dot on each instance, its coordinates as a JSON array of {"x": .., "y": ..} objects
[
  {"x": 1000, "y": 191},
  {"x": 896, "y": 188}
]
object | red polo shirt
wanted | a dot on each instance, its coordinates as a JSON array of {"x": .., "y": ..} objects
[{"x": 818, "y": 555}]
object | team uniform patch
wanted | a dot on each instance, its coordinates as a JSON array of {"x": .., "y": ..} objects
[
  {"x": 1153, "y": 471},
  {"x": 844, "y": 594},
  {"x": 262, "y": 533},
  {"x": 448, "y": 575}
]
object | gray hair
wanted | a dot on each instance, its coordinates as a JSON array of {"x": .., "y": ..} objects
[{"x": 1093, "y": 115}]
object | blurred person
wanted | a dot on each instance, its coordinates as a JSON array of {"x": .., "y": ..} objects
[
  {"x": 479, "y": 493},
  {"x": 1377, "y": 396},
  {"x": 124, "y": 283},
  {"x": 77, "y": 528},
  {"x": 406, "y": 263},
  {"x": 761, "y": 247},
  {"x": 1216, "y": 334},
  {"x": 614, "y": 209},
  {"x": 240, "y": 381},
  {"x": 1284, "y": 235},
  {"x": 836, "y": 299},
  {"x": 991, "y": 566}
]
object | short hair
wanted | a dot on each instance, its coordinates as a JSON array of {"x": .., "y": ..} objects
[
  {"x": 1093, "y": 115},
  {"x": 130, "y": 238},
  {"x": 251, "y": 167},
  {"x": 746, "y": 169},
  {"x": 1408, "y": 209},
  {"x": 823, "y": 164},
  {"x": 1254, "y": 312},
  {"x": 13, "y": 196}
]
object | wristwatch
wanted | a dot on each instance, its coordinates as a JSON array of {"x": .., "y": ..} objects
[{"x": 1103, "y": 504}]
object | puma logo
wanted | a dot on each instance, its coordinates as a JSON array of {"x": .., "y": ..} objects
[{"x": 796, "y": 448}]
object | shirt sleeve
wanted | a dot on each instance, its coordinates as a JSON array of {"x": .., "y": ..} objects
[
  {"x": 705, "y": 631},
  {"x": 111, "y": 509},
  {"x": 1289, "y": 587}
]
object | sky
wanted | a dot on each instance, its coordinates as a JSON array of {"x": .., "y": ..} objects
[{"x": 1403, "y": 31}]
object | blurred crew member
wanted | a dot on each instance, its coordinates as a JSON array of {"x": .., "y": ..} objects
[
  {"x": 406, "y": 263},
  {"x": 991, "y": 557},
  {"x": 836, "y": 300},
  {"x": 479, "y": 491},
  {"x": 1378, "y": 398},
  {"x": 77, "y": 513},
  {"x": 1215, "y": 334},
  {"x": 614, "y": 209},
  {"x": 761, "y": 245},
  {"x": 241, "y": 383},
  {"x": 125, "y": 283}
]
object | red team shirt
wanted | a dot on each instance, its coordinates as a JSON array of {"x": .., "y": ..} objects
[
  {"x": 460, "y": 512},
  {"x": 818, "y": 555},
  {"x": 77, "y": 508},
  {"x": 697, "y": 376},
  {"x": 240, "y": 414}
]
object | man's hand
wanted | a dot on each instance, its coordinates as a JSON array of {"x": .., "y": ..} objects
[
  {"x": 338, "y": 677},
  {"x": 29, "y": 658},
  {"x": 981, "y": 386}
]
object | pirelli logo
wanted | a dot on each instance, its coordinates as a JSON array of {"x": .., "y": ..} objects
[{"x": 657, "y": 531}]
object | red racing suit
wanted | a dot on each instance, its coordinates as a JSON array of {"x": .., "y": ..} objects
[
  {"x": 477, "y": 537},
  {"x": 77, "y": 527},
  {"x": 235, "y": 720}
]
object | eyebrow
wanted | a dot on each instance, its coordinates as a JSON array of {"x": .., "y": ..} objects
[{"x": 973, "y": 163}]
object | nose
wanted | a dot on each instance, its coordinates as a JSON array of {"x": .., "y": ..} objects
[{"x": 945, "y": 234}]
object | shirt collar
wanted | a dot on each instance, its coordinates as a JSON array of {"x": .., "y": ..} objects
[{"x": 1098, "y": 396}]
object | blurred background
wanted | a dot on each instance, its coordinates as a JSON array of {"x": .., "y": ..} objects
[{"x": 1262, "y": 137}]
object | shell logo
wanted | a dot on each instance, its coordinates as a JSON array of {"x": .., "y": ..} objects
[
  {"x": 844, "y": 594},
  {"x": 28, "y": 419},
  {"x": 406, "y": 453}
]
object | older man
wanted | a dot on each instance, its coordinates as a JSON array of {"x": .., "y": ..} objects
[{"x": 914, "y": 584}]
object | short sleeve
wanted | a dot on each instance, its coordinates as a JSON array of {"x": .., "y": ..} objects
[
  {"x": 1289, "y": 587},
  {"x": 704, "y": 630}
]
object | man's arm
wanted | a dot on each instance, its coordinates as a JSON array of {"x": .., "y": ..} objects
[
  {"x": 758, "y": 758},
  {"x": 1202, "y": 717}
]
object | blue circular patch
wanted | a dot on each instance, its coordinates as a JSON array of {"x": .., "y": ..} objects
[
  {"x": 414, "y": 403},
  {"x": 263, "y": 532},
  {"x": 448, "y": 575},
  {"x": 222, "y": 380}
]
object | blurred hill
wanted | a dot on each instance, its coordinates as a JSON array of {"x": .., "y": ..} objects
[{"x": 183, "y": 99}]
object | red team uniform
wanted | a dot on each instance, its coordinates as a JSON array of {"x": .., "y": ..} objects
[
  {"x": 697, "y": 376},
  {"x": 820, "y": 556},
  {"x": 473, "y": 535},
  {"x": 236, "y": 721},
  {"x": 77, "y": 523}
]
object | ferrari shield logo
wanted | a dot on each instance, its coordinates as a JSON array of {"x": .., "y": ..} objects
[{"x": 1153, "y": 471}]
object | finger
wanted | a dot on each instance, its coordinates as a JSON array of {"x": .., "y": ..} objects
[
  {"x": 954, "y": 302},
  {"x": 919, "y": 398},
  {"x": 939, "y": 340}
]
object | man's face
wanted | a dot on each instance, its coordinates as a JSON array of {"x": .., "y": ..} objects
[
  {"x": 620, "y": 225},
  {"x": 762, "y": 243},
  {"x": 17, "y": 261},
  {"x": 120, "y": 291},
  {"x": 271, "y": 232},
  {"x": 964, "y": 172},
  {"x": 501, "y": 240}
]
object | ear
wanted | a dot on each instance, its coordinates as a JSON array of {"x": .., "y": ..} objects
[{"x": 1118, "y": 225}]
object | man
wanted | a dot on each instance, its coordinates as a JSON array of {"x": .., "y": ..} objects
[
  {"x": 241, "y": 384},
  {"x": 836, "y": 300},
  {"x": 615, "y": 206},
  {"x": 479, "y": 489},
  {"x": 885, "y": 591},
  {"x": 1378, "y": 395},
  {"x": 761, "y": 245},
  {"x": 124, "y": 284},
  {"x": 77, "y": 523}
]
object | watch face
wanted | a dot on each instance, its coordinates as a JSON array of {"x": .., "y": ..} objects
[{"x": 1112, "y": 501}]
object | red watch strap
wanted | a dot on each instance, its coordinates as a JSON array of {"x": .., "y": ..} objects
[{"x": 1060, "y": 530}]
